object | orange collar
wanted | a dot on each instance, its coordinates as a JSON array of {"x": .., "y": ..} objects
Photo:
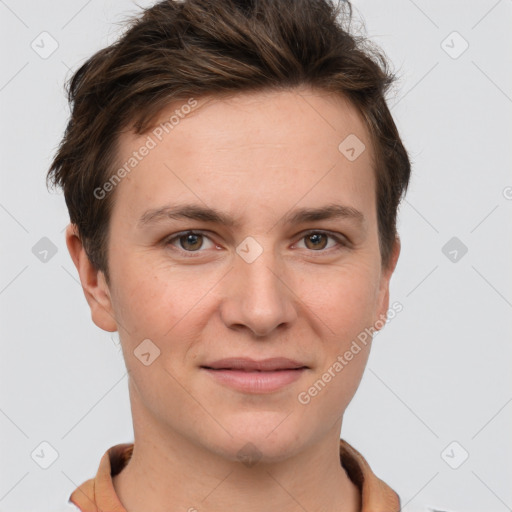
[{"x": 98, "y": 494}]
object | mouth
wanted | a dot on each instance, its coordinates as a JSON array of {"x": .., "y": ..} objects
[
  {"x": 252, "y": 376},
  {"x": 252, "y": 365}
]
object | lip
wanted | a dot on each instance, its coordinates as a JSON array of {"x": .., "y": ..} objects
[
  {"x": 255, "y": 376},
  {"x": 248, "y": 364}
]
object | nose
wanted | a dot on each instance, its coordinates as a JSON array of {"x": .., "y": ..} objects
[{"x": 256, "y": 296}]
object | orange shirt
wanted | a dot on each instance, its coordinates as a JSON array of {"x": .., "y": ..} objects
[{"x": 98, "y": 493}]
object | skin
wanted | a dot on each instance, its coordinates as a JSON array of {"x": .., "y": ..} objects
[{"x": 255, "y": 157}]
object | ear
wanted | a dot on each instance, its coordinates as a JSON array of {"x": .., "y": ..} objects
[
  {"x": 93, "y": 282},
  {"x": 387, "y": 272}
]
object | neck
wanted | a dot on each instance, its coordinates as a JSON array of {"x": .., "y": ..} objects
[{"x": 169, "y": 470}]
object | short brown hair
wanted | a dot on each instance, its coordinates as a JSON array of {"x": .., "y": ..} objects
[{"x": 180, "y": 49}]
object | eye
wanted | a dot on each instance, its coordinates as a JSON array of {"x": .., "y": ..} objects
[
  {"x": 318, "y": 240},
  {"x": 190, "y": 241}
]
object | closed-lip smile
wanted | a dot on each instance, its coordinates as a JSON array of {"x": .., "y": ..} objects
[
  {"x": 255, "y": 376},
  {"x": 247, "y": 364}
]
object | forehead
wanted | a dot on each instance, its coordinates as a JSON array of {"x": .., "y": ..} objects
[{"x": 268, "y": 148}]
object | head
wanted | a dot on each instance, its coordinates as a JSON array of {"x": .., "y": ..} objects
[{"x": 262, "y": 127}]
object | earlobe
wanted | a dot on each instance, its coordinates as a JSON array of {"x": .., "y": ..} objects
[
  {"x": 93, "y": 282},
  {"x": 383, "y": 306}
]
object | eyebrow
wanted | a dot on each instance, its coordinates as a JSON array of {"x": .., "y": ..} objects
[{"x": 206, "y": 214}]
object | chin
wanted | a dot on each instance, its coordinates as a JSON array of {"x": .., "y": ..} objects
[{"x": 261, "y": 437}]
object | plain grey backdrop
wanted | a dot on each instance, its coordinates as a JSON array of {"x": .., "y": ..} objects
[{"x": 433, "y": 414}]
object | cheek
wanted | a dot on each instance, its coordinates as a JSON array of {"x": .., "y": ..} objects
[
  {"x": 344, "y": 298},
  {"x": 345, "y": 303},
  {"x": 153, "y": 302},
  {"x": 165, "y": 309}
]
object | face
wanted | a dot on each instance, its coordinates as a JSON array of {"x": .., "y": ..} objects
[{"x": 246, "y": 234}]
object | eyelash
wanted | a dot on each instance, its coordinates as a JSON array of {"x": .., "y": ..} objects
[{"x": 342, "y": 243}]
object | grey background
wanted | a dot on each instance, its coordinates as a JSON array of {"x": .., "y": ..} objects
[{"x": 440, "y": 371}]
